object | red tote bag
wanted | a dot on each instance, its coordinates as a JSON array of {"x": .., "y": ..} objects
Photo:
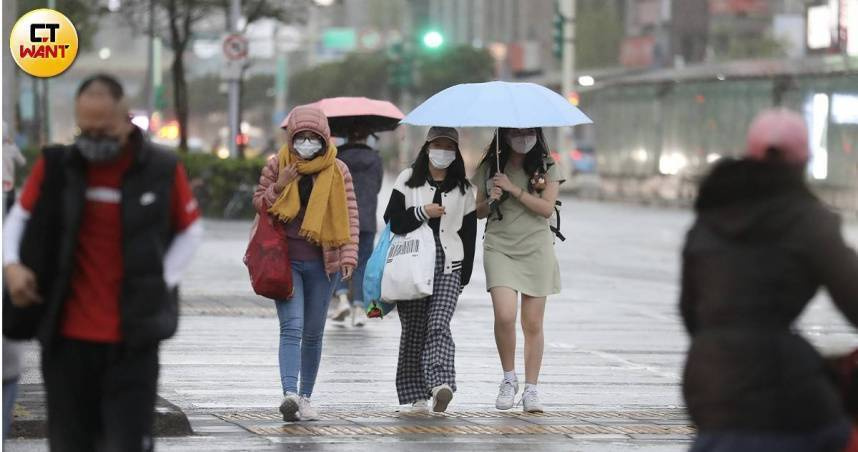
[{"x": 267, "y": 260}]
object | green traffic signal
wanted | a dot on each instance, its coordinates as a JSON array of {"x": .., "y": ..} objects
[{"x": 433, "y": 39}]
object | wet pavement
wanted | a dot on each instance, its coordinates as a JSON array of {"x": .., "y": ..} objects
[{"x": 610, "y": 380}]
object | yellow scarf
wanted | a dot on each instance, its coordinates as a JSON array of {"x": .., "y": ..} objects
[{"x": 326, "y": 221}]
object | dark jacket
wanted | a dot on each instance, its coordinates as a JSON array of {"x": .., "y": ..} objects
[
  {"x": 148, "y": 310},
  {"x": 367, "y": 173},
  {"x": 760, "y": 248}
]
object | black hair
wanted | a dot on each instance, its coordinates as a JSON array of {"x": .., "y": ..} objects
[
  {"x": 455, "y": 172},
  {"x": 536, "y": 161},
  {"x": 357, "y": 133},
  {"x": 776, "y": 155},
  {"x": 733, "y": 180},
  {"x": 114, "y": 88}
]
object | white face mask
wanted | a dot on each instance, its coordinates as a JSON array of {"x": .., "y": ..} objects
[
  {"x": 522, "y": 144},
  {"x": 441, "y": 158},
  {"x": 307, "y": 148}
]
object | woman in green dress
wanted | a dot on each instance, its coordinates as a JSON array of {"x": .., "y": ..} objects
[{"x": 519, "y": 254}]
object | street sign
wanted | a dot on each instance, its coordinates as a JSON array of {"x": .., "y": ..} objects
[
  {"x": 339, "y": 39},
  {"x": 235, "y": 47},
  {"x": 289, "y": 39},
  {"x": 231, "y": 71}
]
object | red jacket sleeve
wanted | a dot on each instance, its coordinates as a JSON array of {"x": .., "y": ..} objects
[
  {"x": 184, "y": 209},
  {"x": 33, "y": 185}
]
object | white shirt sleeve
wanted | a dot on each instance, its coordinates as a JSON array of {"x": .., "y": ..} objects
[
  {"x": 470, "y": 200},
  {"x": 181, "y": 251},
  {"x": 13, "y": 232}
]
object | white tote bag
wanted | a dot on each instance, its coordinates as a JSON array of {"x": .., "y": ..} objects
[{"x": 409, "y": 271}]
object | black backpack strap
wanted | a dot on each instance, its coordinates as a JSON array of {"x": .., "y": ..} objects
[{"x": 556, "y": 230}]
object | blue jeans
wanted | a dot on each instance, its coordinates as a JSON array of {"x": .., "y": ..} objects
[
  {"x": 302, "y": 325},
  {"x": 366, "y": 244},
  {"x": 10, "y": 392}
]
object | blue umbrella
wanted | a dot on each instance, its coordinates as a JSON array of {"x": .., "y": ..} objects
[{"x": 497, "y": 104}]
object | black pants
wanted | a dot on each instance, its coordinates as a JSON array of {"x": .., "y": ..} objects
[
  {"x": 8, "y": 200},
  {"x": 101, "y": 397}
]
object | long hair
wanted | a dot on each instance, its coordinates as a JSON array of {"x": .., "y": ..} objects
[
  {"x": 455, "y": 172},
  {"x": 536, "y": 161}
]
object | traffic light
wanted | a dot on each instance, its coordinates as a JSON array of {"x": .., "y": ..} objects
[
  {"x": 432, "y": 39},
  {"x": 400, "y": 69},
  {"x": 559, "y": 25}
]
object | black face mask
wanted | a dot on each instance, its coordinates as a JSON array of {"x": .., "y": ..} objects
[{"x": 97, "y": 150}]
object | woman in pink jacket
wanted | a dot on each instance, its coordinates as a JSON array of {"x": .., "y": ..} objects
[{"x": 310, "y": 193}]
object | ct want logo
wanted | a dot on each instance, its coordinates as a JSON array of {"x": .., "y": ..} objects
[{"x": 43, "y": 43}]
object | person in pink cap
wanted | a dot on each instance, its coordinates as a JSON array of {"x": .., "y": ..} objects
[
  {"x": 761, "y": 247},
  {"x": 309, "y": 194}
]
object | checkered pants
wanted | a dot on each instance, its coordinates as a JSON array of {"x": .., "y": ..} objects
[{"x": 426, "y": 348}]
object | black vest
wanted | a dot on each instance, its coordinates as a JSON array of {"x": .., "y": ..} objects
[{"x": 148, "y": 310}]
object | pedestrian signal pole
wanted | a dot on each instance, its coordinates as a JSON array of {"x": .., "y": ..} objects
[
  {"x": 566, "y": 12},
  {"x": 234, "y": 87}
]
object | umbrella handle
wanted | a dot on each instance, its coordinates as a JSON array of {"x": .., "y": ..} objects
[{"x": 497, "y": 148}]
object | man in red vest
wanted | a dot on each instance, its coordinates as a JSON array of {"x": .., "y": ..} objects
[{"x": 99, "y": 239}]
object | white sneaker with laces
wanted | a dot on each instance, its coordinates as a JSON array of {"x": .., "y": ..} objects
[
  {"x": 420, "y": 406},
  {"x": 531, "y": 402},
  {"x": 506, "y": 394},
  {"x": 306, "y": 411},
  {"x": 289, "y": 407},
  {"x": 441, "y": 397},
  {"x": 342, "y": 308},
  {"x": 358, "y": 316}
]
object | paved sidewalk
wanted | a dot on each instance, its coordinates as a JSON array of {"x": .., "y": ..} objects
[{"x": 610, "y": 381}]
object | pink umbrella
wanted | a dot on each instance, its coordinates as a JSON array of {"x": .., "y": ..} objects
[{"x": 347, "y": 113}]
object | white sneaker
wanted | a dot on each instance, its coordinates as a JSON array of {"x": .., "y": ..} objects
[
  {"x": 358, "y": 316},
  {"x": 420, "y": 406},
  {"x": 531, "y": 402},
  {"x": 306, "y": 411},
  {"x": 506, "y": 395},
  {"x": 441, "y": 397},
  {"x": 289, "y": 407},
  {"x": 342, "y": 308}
]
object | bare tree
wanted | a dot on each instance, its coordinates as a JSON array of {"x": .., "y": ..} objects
[{"x": 176, "y": 20}]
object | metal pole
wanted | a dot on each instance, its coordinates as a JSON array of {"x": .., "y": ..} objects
[
  {"x": 565, "y": 140},
  {"x": 479, "y": 23},
  {"x": 234, "y": 125},
  {"x": 407, "y": 95},
  {"x": 313, "y": 38},
  {"x": 11, "y": 93},
  {"x": 150, "y": 64},
  {"x": 46, "y": 94},
  {"x": 281, "y": 86}
]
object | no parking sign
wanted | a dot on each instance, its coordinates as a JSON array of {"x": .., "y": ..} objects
[
  {"x": 235, "y": 50},
  {"x": 235, "y": 47}
]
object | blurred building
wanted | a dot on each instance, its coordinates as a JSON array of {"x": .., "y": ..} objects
[
  {"x": 675, "y": 33},
  {"x": 124, "y": 58},
  {"x": 695, "y": 74},
  {"x": 517, "y": 32},
  {"x": 687, "y": 43}
]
